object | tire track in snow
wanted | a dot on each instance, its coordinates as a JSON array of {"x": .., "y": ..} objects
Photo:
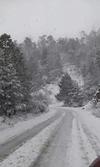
[
  {"x": 75, "y": 153},
  {"x": 82, "y": 151},
  {"x": 29, "y": 152},
  {"x": 95, "y": 142},
  {"x": 88, "y": 151}
]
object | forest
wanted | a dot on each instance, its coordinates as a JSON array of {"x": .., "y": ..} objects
[{"x": 27, "y": 67}]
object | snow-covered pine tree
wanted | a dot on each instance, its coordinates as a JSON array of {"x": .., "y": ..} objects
[
  {"x": 10, "y": 87},
  {"x": 12, "y": 68},
  {"x": 17, "y": 59},
  {"x": 70, "y": 93}
]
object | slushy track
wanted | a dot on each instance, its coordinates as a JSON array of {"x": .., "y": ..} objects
[
  {"x": 55, "y": 153},
  {"x": 14, "y": 143}
]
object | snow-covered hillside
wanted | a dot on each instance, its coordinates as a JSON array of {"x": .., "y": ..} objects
[
  {"x": 75, "y": 73},
  {"x": 50, "y": 90}
]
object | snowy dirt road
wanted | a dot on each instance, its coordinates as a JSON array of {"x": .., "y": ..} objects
[
  {"x": 67, "y": 139},
  {"x": 16, "y": 141},
  {"x": 73, "y": 144},
  {"x": 55, "y": 153}
]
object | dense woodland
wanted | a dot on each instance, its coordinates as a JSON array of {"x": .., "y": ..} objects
[{"x": 27, "y": 67}]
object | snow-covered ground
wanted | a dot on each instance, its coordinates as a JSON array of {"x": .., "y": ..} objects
[
  {"x": 50, "y": 90},
  {"x": 85, "y": 144},
  {"x": 83, "y": 148},
  {"x": 81, "y": 151},
  {"x": 29, "y": 152},
  {"x": 88, "y": 120},
  {"x": 22, "y": 126},
  {"x": 6, "y": 122},
  {"x": 74, "y": 153}
]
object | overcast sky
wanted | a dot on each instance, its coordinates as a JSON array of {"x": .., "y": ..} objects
[{"x": 33, "y": 18}]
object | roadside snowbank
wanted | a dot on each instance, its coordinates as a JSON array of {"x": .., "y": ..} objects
[
  {"x": 91, "y": 127},
  {"x": 88, "y": 106},
  {"x": 29, "y": 152},
  {"x": 81, "y": 152},
  {"x": 87, "y": 147},
  {"x": 22, "y": 126},
  {"x": 90, "y": 121}
]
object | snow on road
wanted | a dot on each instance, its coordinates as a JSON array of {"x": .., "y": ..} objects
[
  {"x": 91, "y": 124},
  {"x": 29, "y": 152},
  {"x": 23, "y": 126},
  {"x": 82, "y": 146},
  {"x": 74, "y": 153},
  {"x": 87, "y": 148},
  {"x": 54, "y": 154},
  {"x": 81, "y": 152},
  {"x": 85, "y": 144}
]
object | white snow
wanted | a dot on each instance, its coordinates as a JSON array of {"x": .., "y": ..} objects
[
  {"x": 74, "y": 153},
  {"x": 22, "y": 126},
  {"x": 50, "y": 90},
  {"x": 90, "y": 121},
  {"x": 84, "y": 146},
  {"x": 29, "y": 152},
  {"x": 81, "y": 152},
  {"x": 88, "y": 106},
  {"x": 74, "y": 73},
  {"x": 87, "y": 146}
]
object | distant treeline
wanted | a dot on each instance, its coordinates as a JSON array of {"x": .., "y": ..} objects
[
  {"x": 27, "y": 67},
  {"x": 84, "y": 52},
  {"x": 24, "y": 69}
]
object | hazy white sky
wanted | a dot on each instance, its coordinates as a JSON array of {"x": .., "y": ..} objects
[{"x": 33, "y": 18}]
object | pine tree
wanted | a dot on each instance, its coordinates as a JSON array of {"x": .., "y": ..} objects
[
  {"x": 69, "y": 91},
  {"x": 10, "y": 87},
  {"x": 13, "y": 75}
]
